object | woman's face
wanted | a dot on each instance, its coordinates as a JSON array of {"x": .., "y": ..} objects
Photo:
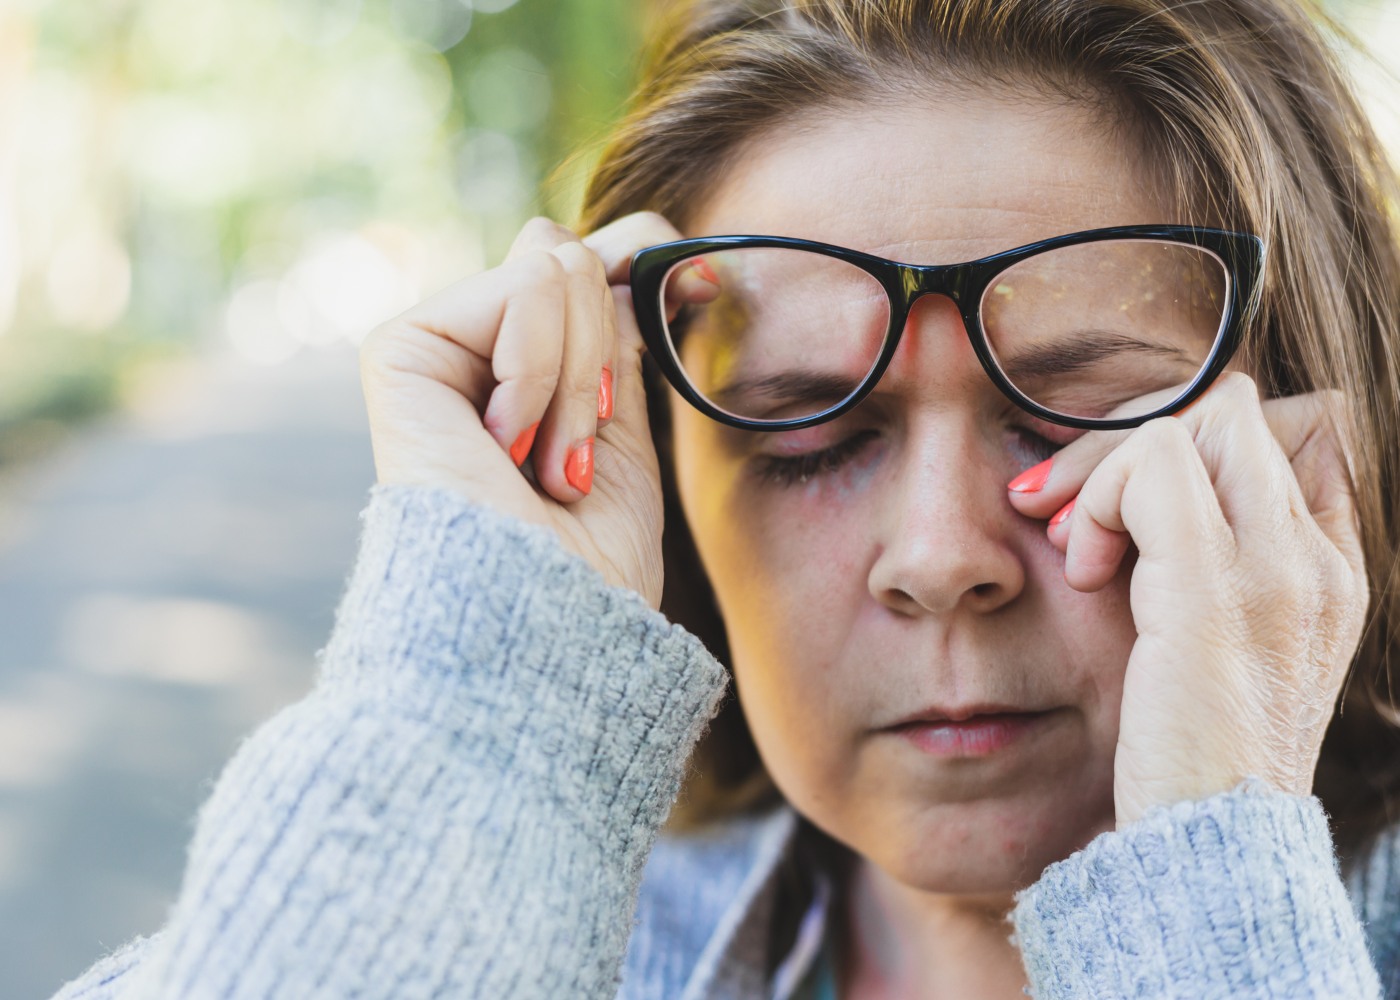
[{"x": 898, "y": 577}]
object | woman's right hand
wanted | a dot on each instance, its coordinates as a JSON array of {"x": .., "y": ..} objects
[{"x": 521, "y": 388}]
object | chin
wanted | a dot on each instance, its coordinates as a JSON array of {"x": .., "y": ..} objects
[{"x": 990, "y": 847}]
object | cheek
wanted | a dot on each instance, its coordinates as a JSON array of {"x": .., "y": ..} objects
[
  {"x": 788, "y": 566},
  {"x": 787, "y": 563},
  {"x": 1095, "y": 634},
  {"x": 791, "y": 592}
]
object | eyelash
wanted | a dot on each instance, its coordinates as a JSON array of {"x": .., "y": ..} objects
[
  {"x": 1040, "y": 446},
  {"x": 786, "y": 470},
  {"x": 789, "y": 470}
]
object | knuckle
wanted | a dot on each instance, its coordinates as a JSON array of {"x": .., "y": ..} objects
[
  {"x": 1238, "y": 385},
  {"x": 378, "y": 345},
  {"x": 370, "y": 345},
  {"x": 542, "y": 227},
  {"x": 1337, "y": 417},
  {"x": 581, "y": 262},
  {"x": 1334, "y": 401},
  {"x": 1233, "y": 397},
  {"x": 1335, "y": 575},
  {"x": 539, "y": 380},
  {"x": 1170, "y": 433},
  {"x": 658, "y": 223},
  {"x": 584, "y": 289},
  {"x": 581, "y": 382},
  {"x": 539, "y": 362},
  {"x": 539, "y": 267}
]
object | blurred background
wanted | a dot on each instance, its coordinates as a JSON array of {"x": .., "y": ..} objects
[{"x": 204, "y": 204}]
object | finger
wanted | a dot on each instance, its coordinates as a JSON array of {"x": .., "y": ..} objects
[
  {"x": 630, "y": 422},
  {"x": 1098, "y": 551},
  {"x": 527, "y": 358},
  {"x": 529, "y": 367},
  {"x": 1155, "y": 492},
  {"x": 540, "y": 233},
  {"x": 452, "y": 337},
  {"x": 1247, "y": 455},
  {"x": 694, "y": 282},
  {"x": 563, "y": 452},
  {"x": 1315, "y": 434},
  {"x": 1242, "y": 454},
  {"x": 1044, "y": 489},
  {"x": 607, "y": 383},
  {"x": 1234, "y": 438},
  {"x": 616, "y": 243},
  {"x": 1243, "y": 465}
]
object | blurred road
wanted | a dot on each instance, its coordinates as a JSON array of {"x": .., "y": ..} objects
[{"x": 165, "y": 581}]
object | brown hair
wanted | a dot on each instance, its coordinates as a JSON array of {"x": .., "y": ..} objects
[{"x": 1242, "y": 106}]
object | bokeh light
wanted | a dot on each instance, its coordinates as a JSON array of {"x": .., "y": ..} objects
[{"x": 174, "y": 174}]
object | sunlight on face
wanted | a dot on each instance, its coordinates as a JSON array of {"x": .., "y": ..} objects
[{"x": 870, "y": 568}]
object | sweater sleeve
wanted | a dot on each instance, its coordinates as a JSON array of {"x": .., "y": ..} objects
[
  {"x": 463, "y": 805},
  {"x": 1234, "y": 896}
]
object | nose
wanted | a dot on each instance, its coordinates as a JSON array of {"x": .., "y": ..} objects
[{"x": 946, "y": 530}]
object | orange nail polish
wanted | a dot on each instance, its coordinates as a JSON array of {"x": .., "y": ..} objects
[
  {"x": 522, "y": 445},
  {"x": 703, "y": 268},
  {"x": 1065, "y": 512},
  {"x": 605, "y": 395},
  {"x": 1033, "y": 479},
  {"x": 578, "y": 470}
]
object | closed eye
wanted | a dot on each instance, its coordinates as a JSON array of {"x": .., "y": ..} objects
[{"x": 789, "y": 470}]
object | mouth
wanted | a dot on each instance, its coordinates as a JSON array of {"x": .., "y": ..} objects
[{"x": 970, "y": 733}]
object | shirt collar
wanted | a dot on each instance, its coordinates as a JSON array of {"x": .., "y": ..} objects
[
  {"x": 734, "y": 964},
  {"x": 810, "y": 935}
]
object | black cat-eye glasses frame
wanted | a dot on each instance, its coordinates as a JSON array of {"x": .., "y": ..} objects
[{"x": 965, "y": 284}]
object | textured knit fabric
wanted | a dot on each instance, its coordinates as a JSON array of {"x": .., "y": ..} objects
[{"x": 467, "y": 803}]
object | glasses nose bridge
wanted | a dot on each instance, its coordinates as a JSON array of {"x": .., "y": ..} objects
[{"x": 919, "y": 280}]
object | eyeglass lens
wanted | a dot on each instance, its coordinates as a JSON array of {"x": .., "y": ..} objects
[{"x": 1086, "y": 331}]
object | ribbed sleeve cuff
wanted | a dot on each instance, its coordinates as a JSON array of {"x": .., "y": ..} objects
[
  {"x": 487, "y": 628},
  {"x": 1237, "y": 895}
]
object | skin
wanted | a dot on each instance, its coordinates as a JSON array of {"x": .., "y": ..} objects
[
  {"x": 1188, "y": 624},
  {"x": 906, "y": 578}
]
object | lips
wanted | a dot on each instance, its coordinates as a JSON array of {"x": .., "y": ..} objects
[
  {"x": 937, "y": 713},
  {"x": 977, "y": 734}
]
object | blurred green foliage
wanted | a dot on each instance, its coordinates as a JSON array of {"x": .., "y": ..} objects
[{"x": 269, "y": 175}]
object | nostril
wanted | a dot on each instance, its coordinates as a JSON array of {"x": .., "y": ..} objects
[{"x": 904, "y": 603}]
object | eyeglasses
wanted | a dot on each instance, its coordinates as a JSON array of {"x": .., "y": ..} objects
[{"x": 1102, "y": 329}]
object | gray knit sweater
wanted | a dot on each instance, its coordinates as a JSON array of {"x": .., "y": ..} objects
[{"x": 467, "y": 805}]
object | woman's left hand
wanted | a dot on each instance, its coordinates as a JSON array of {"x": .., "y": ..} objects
[{"x": 1249, "y": 593}]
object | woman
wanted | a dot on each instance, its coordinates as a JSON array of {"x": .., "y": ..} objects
[{"x": 1038, "y": 595}]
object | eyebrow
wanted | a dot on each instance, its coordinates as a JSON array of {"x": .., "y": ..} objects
[
  {"x": 785, "y": 386},
  {"x": 1082, "y": 350},
  {"x": 1059, "y": 357}
]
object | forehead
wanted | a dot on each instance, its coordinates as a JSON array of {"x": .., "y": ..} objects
[{"x": 935, "y": 180}]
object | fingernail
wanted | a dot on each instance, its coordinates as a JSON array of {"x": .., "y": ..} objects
[
  {"x": 578, "y": 469},
  {"x": 605, "y": 395},
  {"x": 1033, "y": 479},
  {"x": 703, "y": 268},
  {"x": 522, "y": 445},
  {"x": 1064, "y": 513}
]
